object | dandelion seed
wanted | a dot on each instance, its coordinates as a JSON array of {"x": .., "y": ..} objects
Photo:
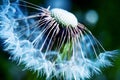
[{"x": 51, "y": 42}]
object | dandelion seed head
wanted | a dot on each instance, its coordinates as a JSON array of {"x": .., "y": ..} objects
[
  {"x": 41, "y": 43},
  {"x": 64, "y": 17}
]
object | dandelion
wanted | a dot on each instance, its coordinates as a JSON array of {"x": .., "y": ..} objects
[{"x": 51, "y": 42}]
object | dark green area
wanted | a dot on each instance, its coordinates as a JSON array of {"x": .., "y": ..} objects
[{"x": 107, "y": 30}]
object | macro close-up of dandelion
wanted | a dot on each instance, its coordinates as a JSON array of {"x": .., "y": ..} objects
[{"x": 51, "y": 41}]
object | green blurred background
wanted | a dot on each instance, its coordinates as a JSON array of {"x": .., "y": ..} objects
[{"x": 102, "y": 17}]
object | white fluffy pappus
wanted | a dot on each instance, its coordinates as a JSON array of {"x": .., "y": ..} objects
[{"x": 49, "y": 44}]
